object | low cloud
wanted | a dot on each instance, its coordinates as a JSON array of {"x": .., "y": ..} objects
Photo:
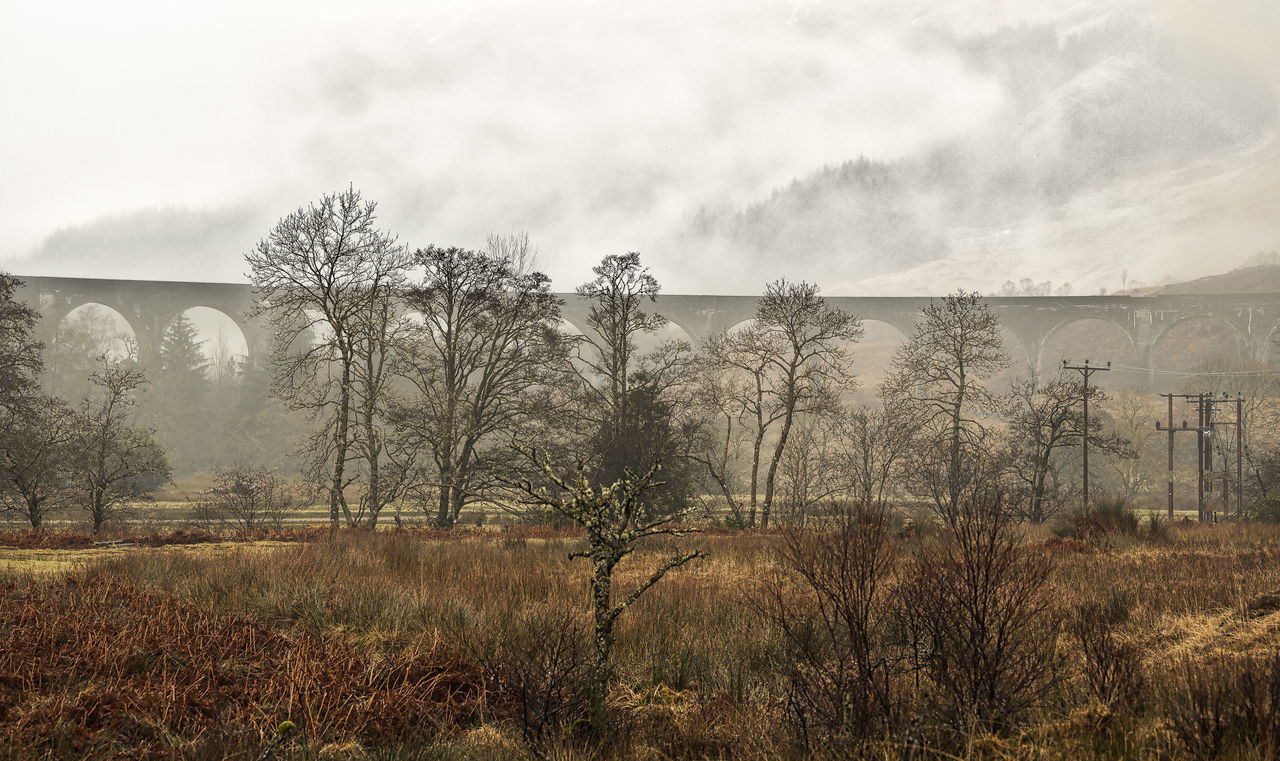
[{"x": 598, "y": 128}]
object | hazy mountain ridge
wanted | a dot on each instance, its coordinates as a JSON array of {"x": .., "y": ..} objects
[{"x": 1259, "y": 278}]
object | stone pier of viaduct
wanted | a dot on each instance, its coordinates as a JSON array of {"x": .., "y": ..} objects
[{"x": 150, "y": 306}]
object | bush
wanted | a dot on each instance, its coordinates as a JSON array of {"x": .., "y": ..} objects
[
  {"x": 1228, "y": 700},
  {"x": 1112, "y": 667},
  {"x": 976, "y": 612},
  {"x": 1266, "y": 510},
  {"x": 1107, "y": 517},
  {"x": 1157, "y": 526},
  {"x": 248, "y": 499},
  {"x": 537, "y": 661},
  {"x": 1115, "y": 515},
  {"x": 831, "y": 607}
]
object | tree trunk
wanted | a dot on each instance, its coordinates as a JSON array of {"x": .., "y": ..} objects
[
  {"x": 34, "y": 514},
  {"x": 371, "y": 456},
  {"x": 444, "y": 502},
  {"x": 98, "y": 513},
  {"x": 755, "y": 473},
  {"x": 953, "y": 475},
  {"x": 953, "y": 467},
  {"x": 601, "y": 673},
  {"x": 773, "y": 466},
  {"x": 460, "y": 476},
  {"x": 1037, "y": 491},
  {"x": 336, "y": 498}
]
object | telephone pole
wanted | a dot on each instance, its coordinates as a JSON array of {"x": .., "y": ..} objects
[
  {"x": 1239, "y": 456},
  {"x": 1238, "y": 401},
  {"x": 1199, "y": 430},
  {"x": 1085, "y": 371}
]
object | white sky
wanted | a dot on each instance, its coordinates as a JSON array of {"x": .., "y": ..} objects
[
  {"x": 459, "y": 118},
  {"x": 592, "y": 125}
]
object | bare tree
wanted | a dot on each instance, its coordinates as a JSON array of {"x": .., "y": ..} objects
[
  {"x": 1048, "y": 417},
  {"x": 808, "y": 475},
  {"x": 1259, "y": 389},
  {"x": 941, "y": 370},
  {"x": 318, "y": 276},
  {"x": 803, "y": 342},
  {"x": 872, "y": 449},
  {"x": 34, "y": 429},
  {"x": 20, "y": 354},
  {"x": 74, "y": 345},
  {"x": 630, "y": 399},
  {"x": 378, "y": 329},
  {"x": 614, "y": 519},
  {"x": 732, "y": 398},
  {"x": 979, "y": 617},
  {"x": 1131, "y": 413},
  {"x": 832, "y": 604},
  {"x": 479, "y": 364},
  {"x": 35, "y": 457},
  {"x": 224, "y": 367},
  {"x": 114, "y": 462},
  {"x": 615, "y": 319},
  {"x": 516, "y": 249},
  {"x": 792, "y": 361}
]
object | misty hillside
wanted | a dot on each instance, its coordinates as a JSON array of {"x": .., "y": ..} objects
[
  {"x": 1261, "y": 278},
  {"x": 1095, "y": 119},
  {"x": 157, "y": 244}
]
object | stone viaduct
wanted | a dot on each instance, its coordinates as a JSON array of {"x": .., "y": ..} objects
[{"x": 150, "y": 306}]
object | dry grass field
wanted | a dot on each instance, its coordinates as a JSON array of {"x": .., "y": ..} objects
[{"x": 1161, "y": 643}]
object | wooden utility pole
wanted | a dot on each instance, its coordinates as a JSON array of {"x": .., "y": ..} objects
[
  {"x": 1086, "y": 370},
  {"x": 1239, "y": 426},
  {"x": 1239, "y": 456},
  {"x": 1199, "y": 430},
  {"x": 1170, "y": 429}
]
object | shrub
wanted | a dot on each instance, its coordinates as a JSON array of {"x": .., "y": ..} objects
[
  {"x": 1107, "y": 517},
  {"x": 249, "y": 499},
  {"x": 831, "y": 607},
  {"x": 1228, "y": 700},
  {"x": 1112, "y": 667},
  {"x": 1266, "y": 509},
  {"x": 975, "y": 608},
  {"x": 538, "y": 663},
  {"x": 1157, "y": 526}
]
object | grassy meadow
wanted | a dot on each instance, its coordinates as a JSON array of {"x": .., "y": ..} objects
[{"x": 420, "y": 644}]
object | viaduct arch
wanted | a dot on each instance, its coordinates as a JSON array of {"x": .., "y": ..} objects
[{"x": 149, "y": 307}]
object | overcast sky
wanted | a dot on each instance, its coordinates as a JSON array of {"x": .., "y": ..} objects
[{"x": 598, "y": 127}]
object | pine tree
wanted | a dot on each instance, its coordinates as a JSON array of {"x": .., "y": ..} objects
[
  {"x": 181, "y": 395},
  {"x": 181, "y": 355}
]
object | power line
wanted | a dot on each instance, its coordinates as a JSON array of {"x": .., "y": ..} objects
[{"x": 1186, "y": 373}]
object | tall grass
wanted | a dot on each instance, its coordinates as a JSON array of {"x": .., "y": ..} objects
[{"x": 335, "y": 634}]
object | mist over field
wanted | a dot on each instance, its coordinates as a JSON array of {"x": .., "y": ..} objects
[{"x": 885, "y": 148}]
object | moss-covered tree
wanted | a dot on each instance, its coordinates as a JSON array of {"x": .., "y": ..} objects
[{"x": 616, "y": 520}]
